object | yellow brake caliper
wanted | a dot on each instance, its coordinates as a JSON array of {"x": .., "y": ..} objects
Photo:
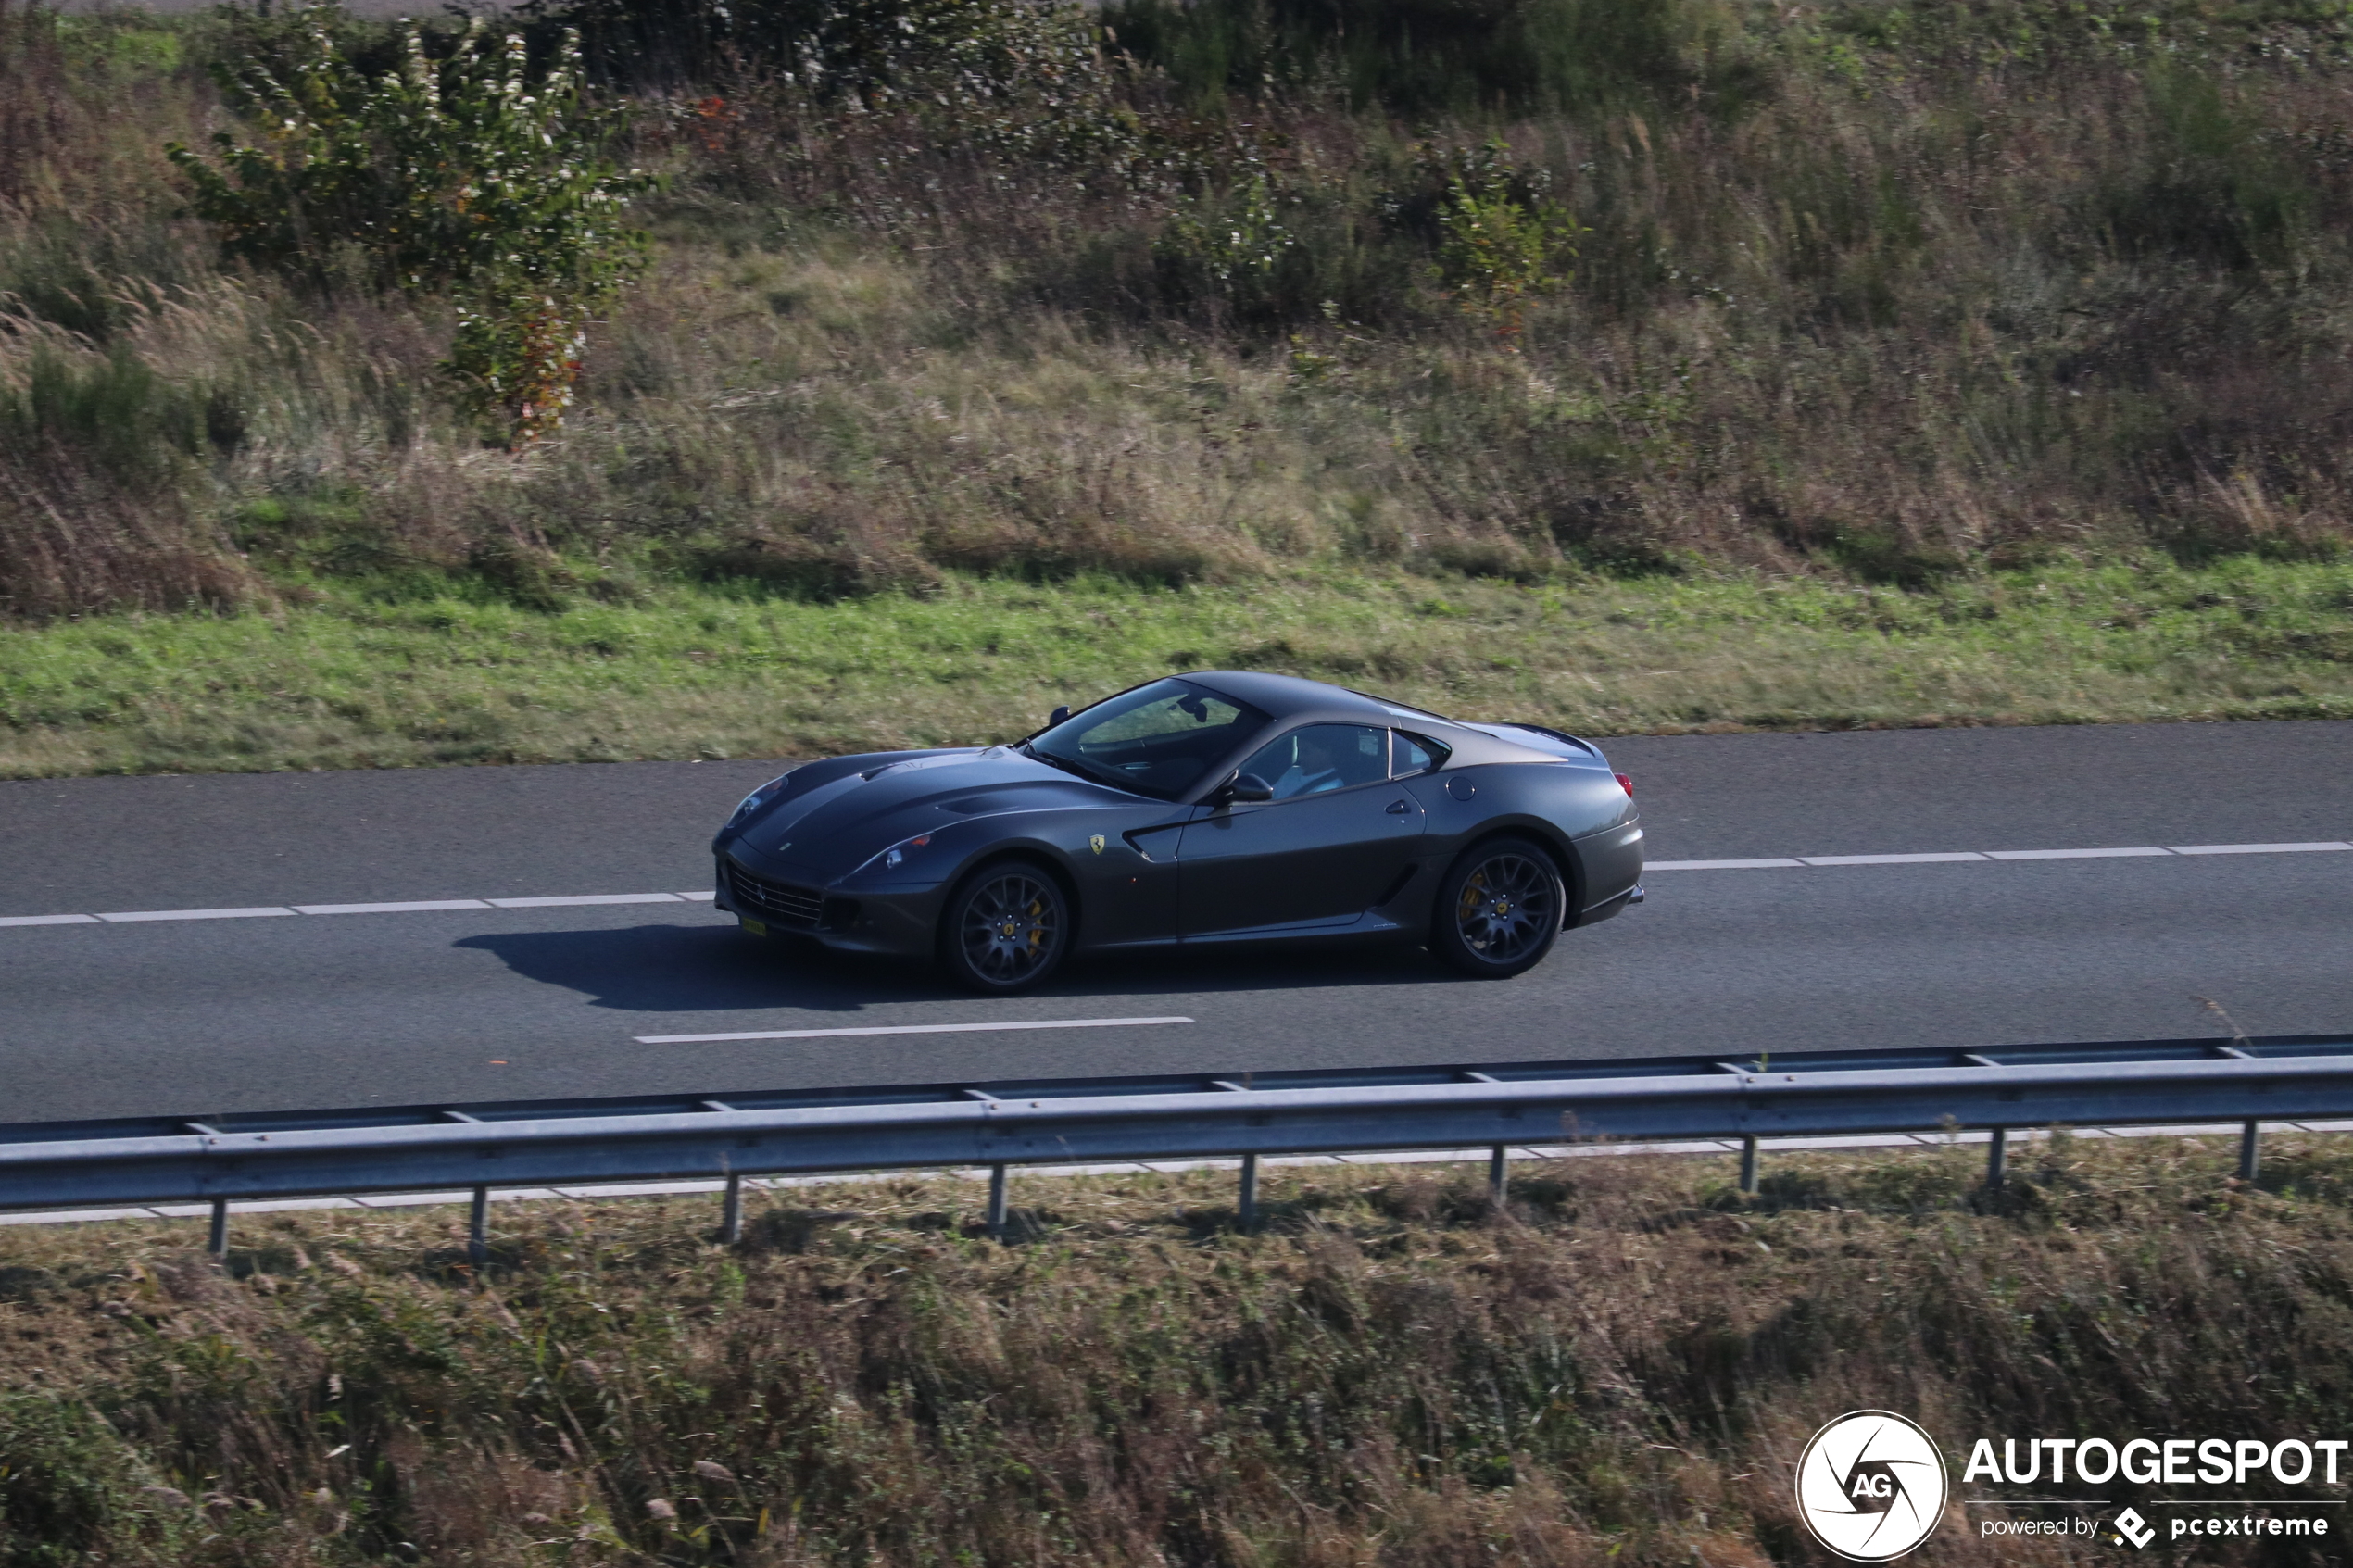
[{"x": 1473, "y": 891}]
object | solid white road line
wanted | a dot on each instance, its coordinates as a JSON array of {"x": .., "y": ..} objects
[
  {"x": 122, "y": 917},
  {"x": 1722, "y": 865},
  {"x": 49, "y": 920},
  {"x": 905, "y": 1029}
]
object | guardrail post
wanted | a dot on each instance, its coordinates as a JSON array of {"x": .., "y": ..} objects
[
  {"x": 1748, "y": 1164},
  {"x": 731, "y": 1210},
  {"x": 478, "y": 1228},
  {"x": 997, "y": 1201},
  {"x": 2250, "y": 1150},
  {"x": 217, "y": 1240},
  {"x": 1246, "y": 1211},
  {"x": 1498, "y": 1174},
  {"x": 1996, "y": 1158}
]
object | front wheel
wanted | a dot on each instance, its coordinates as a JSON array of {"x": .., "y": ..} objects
[
  {"x": 1499, "y": 908},
  {"x": 1005, "y": 929}
]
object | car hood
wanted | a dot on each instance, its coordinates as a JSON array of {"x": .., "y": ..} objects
[{"x": 840, "y": 825}]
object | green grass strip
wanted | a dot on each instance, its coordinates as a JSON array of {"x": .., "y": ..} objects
[{"x": 351, "y": 680}]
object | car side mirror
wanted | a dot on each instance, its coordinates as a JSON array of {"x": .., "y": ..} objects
[
  {"x": 1247, "y": 789},
  {"x": 1057, "y": 716}
]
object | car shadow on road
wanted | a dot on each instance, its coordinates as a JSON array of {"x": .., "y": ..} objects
[{"x": 686, "y": 969}]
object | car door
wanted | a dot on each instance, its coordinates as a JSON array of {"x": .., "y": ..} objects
[
  {"x": 1338, "y": 836},
  {"x": 1127, "y": 877}
]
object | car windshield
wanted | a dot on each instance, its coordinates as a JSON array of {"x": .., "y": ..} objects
[{"x": 1156, "y": 740}]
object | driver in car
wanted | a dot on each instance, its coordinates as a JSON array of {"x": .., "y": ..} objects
[{"x": 1315, "y": 767}]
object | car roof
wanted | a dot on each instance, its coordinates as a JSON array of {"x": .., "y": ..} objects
[{"x": 1292, "y": 696}]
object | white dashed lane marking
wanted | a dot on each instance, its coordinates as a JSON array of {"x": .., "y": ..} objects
[
  {"x": 587, "y": 899},
  {"x": 2258, "y": 848},
  {"x": 416, "y": 908},
  {"x": 262, "y": 913},
  {"x": 903, "y": 1029}
]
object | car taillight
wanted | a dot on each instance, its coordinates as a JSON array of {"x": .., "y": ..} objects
[{"x": 1625, "y": 784}]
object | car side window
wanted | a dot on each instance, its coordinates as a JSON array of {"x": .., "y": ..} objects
[
  {"x": 1316, "y": 758},
  {"x": 1411, "y": 753}
]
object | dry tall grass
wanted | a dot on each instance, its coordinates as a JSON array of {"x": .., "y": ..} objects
[
  {"x": 1624, "y": 1369},
  {"x": 1870, "y": 292}
]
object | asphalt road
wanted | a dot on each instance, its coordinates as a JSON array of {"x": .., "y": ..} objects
[{"x": 211, "y": 1016}]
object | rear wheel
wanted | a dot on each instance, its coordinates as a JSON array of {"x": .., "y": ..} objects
[
  {"x": 1006, "y": 928},
  {"x": 1499, "y": 908}
]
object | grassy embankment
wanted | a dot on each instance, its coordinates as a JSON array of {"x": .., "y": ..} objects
[
  {"x": 1622, "y": 1371},
  {"x": 695, "y": 673},
  {"x": 1974, "y": 363}
]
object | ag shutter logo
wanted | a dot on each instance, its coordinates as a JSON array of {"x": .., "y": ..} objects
[{"x": 1870, "y": 1485}]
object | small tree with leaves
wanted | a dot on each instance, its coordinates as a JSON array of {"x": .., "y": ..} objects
[
  {"x": 461, "y": 175},
  {"x": 1499, "y": 239}
]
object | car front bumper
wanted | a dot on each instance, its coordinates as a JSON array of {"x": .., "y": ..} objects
[{"x": 896, "y": 923}]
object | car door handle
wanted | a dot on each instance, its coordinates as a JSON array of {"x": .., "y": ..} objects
[{"x": 1398, "y": 808}]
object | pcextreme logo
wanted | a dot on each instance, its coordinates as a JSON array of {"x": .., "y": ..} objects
[{"x": 1870, "y": 1485}]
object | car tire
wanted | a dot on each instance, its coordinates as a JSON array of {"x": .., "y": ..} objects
[
  {"x": 1006, "y": 928},
  {"x": 1500, "y": 909}
]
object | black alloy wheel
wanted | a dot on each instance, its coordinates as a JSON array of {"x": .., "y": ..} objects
[
  {"x": 1499, "y": 909},
  {"x": 1005, "y": 929}
]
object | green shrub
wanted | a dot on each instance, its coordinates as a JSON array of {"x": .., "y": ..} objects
[
  {"x": 1022, "y": 79},
  {"x": 462, "y": 173},
  {"x": 1232, "y": 244},
  {"x": 1499, "y": 238},
  {"x": 2213, "y": 187},
  {"x": 116, "y": 414},
  {"x": 63, "y": 1481}
]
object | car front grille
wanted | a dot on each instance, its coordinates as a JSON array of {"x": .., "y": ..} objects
[{"x": 799, "y": 908}]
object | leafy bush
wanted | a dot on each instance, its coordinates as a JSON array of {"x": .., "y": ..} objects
[
  {"x": 460, "y": 174},
  {"x": 1232, "y": 245},
  {"x": 1011, "y": 78},
  {"x": 1499, "y": 237}
]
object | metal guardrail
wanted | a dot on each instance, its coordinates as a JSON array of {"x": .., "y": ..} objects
[{"x": 539, "y": 1143}]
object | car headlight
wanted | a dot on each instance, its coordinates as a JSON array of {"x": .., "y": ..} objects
[
  {"x": 759, "y": 798},
  {"x": 896, "y": 856}
]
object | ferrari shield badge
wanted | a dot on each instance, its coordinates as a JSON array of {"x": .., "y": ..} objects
[{"x": 1096, "y": 844}]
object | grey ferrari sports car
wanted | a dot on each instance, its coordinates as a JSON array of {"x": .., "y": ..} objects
[{"x": 1223, "y": 806}]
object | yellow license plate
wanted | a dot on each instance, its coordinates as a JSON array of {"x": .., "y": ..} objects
[{"x": 755, "y": 927}]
